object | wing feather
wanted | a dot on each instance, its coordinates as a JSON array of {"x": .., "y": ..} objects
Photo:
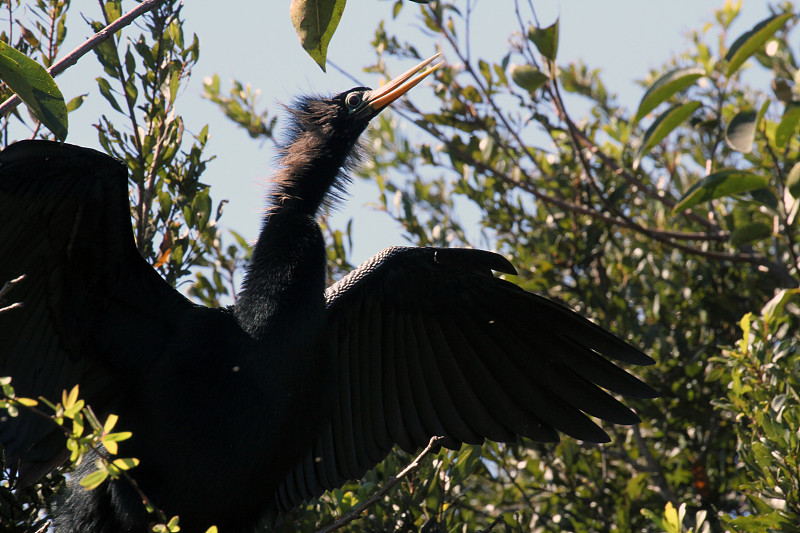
[
  {"x": 431, "y": 343},
  {"x": 65, "y": 224}
]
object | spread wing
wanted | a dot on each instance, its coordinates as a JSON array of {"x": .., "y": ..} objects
[
  {"x": 91, "y": 306},
  {"x": 428, "y": 342}
]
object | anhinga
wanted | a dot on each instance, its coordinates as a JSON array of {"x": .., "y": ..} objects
[{"x": 241, "y": 411}]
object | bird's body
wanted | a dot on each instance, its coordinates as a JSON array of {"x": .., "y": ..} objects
[{"x": 240, "y": 412}]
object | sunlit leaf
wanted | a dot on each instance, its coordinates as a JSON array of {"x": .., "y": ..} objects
[
  {"x": 69, "y": 398},
  {"x": 665, "y": 86},
  {"x": 751, "y": 41},
  {"x": 719, "y": 184},
  {"x": 117, "y": 437},
  {"x": 28, "y": 402},
  {"x": 775, "y": 306},
  {"x": 74, "y": 409},
  {"x": 315, "y": 21},
  {"x": 126, "y": 463},
  {"x": 94, "y": 480},
  {"x": 662, "y": 126},
  {"x": 36, "y": 88}
]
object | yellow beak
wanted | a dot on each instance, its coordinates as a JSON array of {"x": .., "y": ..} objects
[{"x": 378, "y": 99}]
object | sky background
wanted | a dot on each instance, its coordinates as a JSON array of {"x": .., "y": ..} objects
[{"x": 254, "y": 41}]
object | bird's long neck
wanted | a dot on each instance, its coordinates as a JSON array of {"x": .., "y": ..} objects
[
  {"x": 285, "y": 283},
  {"x": 310, "y": 170},
  {"x": 284, "y": 287}
]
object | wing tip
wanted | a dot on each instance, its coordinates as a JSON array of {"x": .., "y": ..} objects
[{"x": 473, "y": 259}]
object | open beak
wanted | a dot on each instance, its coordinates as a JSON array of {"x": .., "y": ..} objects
[{"x": 378, "y": 99}]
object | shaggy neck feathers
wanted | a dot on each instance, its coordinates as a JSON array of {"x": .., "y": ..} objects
[{"x": 321, "y": 147}]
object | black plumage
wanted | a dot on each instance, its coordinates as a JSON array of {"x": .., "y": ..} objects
[{"x": 251, "y": 409}]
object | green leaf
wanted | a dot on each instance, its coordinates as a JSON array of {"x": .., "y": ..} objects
[
  {"x": 665, "y": 86},
  {"x": 118, "y": 437},
  {"x": 315, "y": 21},
  {"x": 74, "y": 409},
  {"x": 528, "y": 77},
  {"x": 126, "y": 463},
  {"x": 662, "y": 126},
  {"x": 94, "y": 480},
  {"x": 105, "y": 90},
  {"x": 29, "y": 402},
  {"x": 636, "y": 485},
  {"x": 34, "y": 85},
  {"x": 546, "y": 40},
  {"x": 775, "y": 306},
  {"x": 741, "y": 132},
  {"x": 719, "y": 184},
  {"x": 751, "y": 41},
  {"x": 793, "y": 181},
  {"x": 748, "y": 233},
  {"x": 201, "y": 208},
  {"x": 788, "y": 124},
  {"x": 76, "y": 102}
]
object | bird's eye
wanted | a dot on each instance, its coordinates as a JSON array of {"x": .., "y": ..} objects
[{"x": 353, "y": 100}]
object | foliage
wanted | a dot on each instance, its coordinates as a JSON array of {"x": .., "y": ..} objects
[
  {"x": 34, "y": 85},
  {"x": 762, "y": 374},
  {"x": 73, "y": 416},
  {"x": 28, "y": 45},
  {"x": 666, "y": 225},
  {"x": 669, "y": 225},
  {"x": 141, "y": 79}
]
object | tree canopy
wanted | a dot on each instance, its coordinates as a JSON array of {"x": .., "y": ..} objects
[{"x": 671, "y": 221}]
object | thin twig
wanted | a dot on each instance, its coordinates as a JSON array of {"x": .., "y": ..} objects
[
  {"x": 356, "y": 511},
  {"x": 491, "y": 526},
  {"x": 91, "y": 43}
]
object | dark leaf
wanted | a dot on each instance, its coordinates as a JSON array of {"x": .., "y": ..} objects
[
  {"x": 793, "y": 181},
  {"x": 546, "y": 40},
  {"x": 528, "y": 77},
  {"x": 741, "y": 132},
  {"x": 755, "y": 231},
  {"x": 788, "y": 124},
  {"x": 315, "y": 21}
]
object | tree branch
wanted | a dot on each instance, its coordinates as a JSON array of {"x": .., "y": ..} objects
[
  {"x": 91, "y": 43},
  {"x": 356, "y": 511}
]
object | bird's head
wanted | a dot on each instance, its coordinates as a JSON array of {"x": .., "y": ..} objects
[
  {"x": 345, "y": 116},
  {"x": 322, "y": 144}
]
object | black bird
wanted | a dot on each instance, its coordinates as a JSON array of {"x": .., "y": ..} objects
[{"x": 243, "y": 411}]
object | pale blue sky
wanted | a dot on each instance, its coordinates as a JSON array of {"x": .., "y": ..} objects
[{"x": 253, "y": 41}]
